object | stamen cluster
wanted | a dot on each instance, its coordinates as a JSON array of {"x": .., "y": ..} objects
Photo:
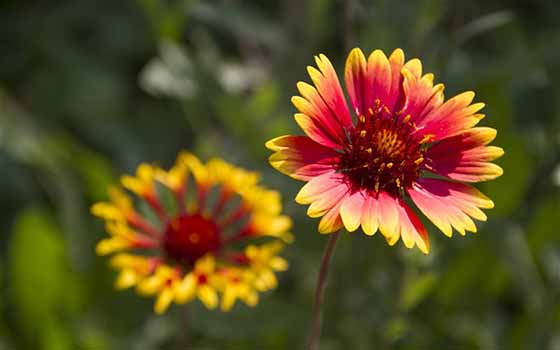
[{"x": 381, "y": 154}]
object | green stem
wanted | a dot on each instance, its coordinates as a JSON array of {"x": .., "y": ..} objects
[{"x": 315, "y": 333}]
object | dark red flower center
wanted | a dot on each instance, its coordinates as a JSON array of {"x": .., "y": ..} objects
[
  {"x": 381, "y": 153},
  {"x": 189, "y": 237}
]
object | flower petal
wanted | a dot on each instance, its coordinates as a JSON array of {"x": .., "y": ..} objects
[
  {"x": 208, "y": 296},
  {"x": 355, "y": 78},
  {"x": 331, "y": 221},
  {"x": 421, "y": 96},
  {"x": 469, "y": 171},
  {"x": 300, "y": 157},
  {"x": 327, "y": 200},
  {"x": 465, "y": 156},
  {"x": 384, "y": 78},
  {"x": 229, "y": 296},
  {"x": 312, "y": 104},
  {"x": 449, "y": 204},
  {"x": 351, "y": 210},
  {"x": 388, "y": 214},
  {"x": 127, "y": 278},
  {"x": 205, "y": 265},
  {"x": 411, "y": 229},
  {"x": 379, "y": 79},
  {"x": 415, "y": 67},
  {"x": 396, "y": 61},
  {"x": 185, "y": 289},
  {"x": 317, "y": 186},
  {"x": 455, "y": 115},
  {"x": 316, "y": 130},
  {"x": 328, "y": 86},
  {"x": 163, "y": 300},
  {"x": 370, "y": 216}
]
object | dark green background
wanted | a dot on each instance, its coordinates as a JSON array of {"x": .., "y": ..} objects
[{"x": 89, "y": 89}]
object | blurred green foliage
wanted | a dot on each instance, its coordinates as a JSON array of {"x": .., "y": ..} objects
[{"x": 89, "y": 89}]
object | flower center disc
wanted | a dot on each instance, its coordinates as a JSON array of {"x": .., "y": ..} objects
[
  {"x": 381, "y": 153},
  {"x": 189, "y": 237}
]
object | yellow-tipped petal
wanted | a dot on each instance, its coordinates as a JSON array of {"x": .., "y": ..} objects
[
  {"x": 107, "y": 211},
  {"x": 127, "y": 278},
  {"x": 163, "y": 301},
  {"x": 112, "y": 245},
  {"x": 185, "y": 289},
  {"x": 208, "y": 296},
  {"x": 351, "y": 211},
  {"x": 206, "y": 265},
  {"x": 278, "y": 264},
  {"x": 228, "y": 299}
]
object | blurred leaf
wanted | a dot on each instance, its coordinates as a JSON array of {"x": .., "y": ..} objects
[
  {"x": 94, "y": 169},
  {"x": 42, "y": 286},
  {"x": 427, "y": 15},
  {"x": 542, "y": 229},
  {"x": 246, "y": 25},
  {"x": 417, "y": 289},
  {"x": 319, "y": 17},
  {"x": 483, "y": 24},
  {"x": 242, "y": 116},
  {"x": 54, "y": 336},
  {"x": 167, "y": 17},
  {"x": 465, "y": 272},
  {"x": 396, "y": 329}
]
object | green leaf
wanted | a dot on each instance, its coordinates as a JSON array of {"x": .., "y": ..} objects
[
  {"x": 43, "y": 289},
  {"x": 417, "y": 289},
  {"x": 542, "y": 229},
  {"x": 95, "y": 170}
]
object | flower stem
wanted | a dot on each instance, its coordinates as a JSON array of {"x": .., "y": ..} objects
[
  {"x": 315, "y": 333},
  {"x": 183, "y": 342}
]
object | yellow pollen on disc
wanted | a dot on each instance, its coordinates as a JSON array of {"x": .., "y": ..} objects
[
  {"x": 426, "y": 138},
  {"x": 382, "y": 152}
]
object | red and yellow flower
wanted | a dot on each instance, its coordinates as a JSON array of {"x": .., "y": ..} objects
[
  {"x": 201, "y": 236},
  {"x": 400, "y": 142}
]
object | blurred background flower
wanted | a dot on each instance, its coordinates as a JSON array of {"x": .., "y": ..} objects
[
  {"x": 76, "y": 111},
  {"x": 198, "y": 240}
]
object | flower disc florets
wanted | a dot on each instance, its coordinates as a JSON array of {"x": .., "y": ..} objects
[{"x": 380, "y": 154}]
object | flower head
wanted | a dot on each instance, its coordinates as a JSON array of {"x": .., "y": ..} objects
[
  {"x": 201, "y": 236},
  {"x": 400, "y": 142}
]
